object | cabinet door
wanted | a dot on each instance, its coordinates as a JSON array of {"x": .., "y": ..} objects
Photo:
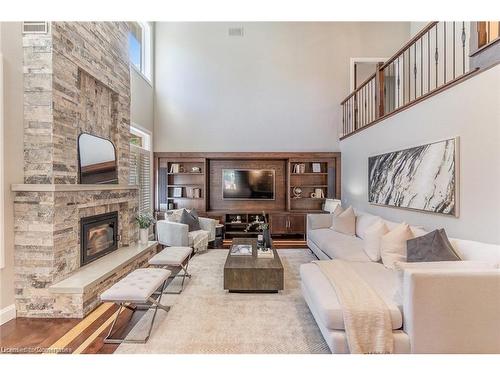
[
  {"x": 279, "y": 223},
  {"x": 297, "y": 223}
]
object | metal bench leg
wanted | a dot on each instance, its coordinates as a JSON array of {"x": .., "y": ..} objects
[
  {"x": 155, "y": 304},
  {"x": 185, "y": 274}
]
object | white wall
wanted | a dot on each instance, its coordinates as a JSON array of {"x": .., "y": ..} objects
[
  {"x": 470, "y": 110},
  {"x": 12, "y": 51},
  {"x": 141, "y": 101},
  {"x": 277, "y": 88}
]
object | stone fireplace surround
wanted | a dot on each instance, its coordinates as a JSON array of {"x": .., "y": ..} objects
[{"x": 76, "y": 79}]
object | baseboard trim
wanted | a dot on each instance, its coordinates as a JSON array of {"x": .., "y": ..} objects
[{"x": 7, "y": 313}]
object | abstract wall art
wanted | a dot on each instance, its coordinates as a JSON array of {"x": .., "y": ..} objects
[{"x": 421, "y": 178}]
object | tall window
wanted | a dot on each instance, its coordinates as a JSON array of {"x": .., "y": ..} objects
[
  {"x": 140, "y": 48},
  {"x": 140, "y": 166}
]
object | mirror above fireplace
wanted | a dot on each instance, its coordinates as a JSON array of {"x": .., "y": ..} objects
[{"x": 97, "y": 160}]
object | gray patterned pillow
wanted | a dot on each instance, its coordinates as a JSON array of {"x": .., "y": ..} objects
[
  {"x": 432, "y": 247},
  {"x": 191, "y": 219}
]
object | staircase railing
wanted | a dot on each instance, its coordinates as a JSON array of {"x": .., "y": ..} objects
[{"x": 433, "y": 59}]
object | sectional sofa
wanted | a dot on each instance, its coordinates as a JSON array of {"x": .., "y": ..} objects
[{"x": 444, "y": 308}]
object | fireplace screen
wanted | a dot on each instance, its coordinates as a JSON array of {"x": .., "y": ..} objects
[{"x": 98, "y": 236}]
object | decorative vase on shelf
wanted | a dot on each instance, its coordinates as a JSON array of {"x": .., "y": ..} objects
[
  {"x": 143, "y": 236},
  {"x": 267, "y": 237}
]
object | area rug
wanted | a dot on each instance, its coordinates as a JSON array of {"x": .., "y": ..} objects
[{"x": 207, "y": 319}]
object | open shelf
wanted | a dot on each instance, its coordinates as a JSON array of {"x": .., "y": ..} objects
[
  {"x": 186, "y": 173},
  {"x": 185, "y": 177},
  {"x": 185, "y": 198},
  {"x": 309, "y": 173},
  {"x": 295, "y": 199}
]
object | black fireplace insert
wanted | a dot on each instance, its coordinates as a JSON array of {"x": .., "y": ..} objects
[{"x": 99, "y": 236}]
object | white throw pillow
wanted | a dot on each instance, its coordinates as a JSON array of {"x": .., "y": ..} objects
[
  {"x": 393, "y": 245},
  {"x": 363, "y": 222},
  {"x": 345, "y": 222},
  {"x": 373, "y": 235}
]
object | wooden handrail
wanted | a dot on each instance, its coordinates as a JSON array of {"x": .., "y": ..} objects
[
  {"x": 419, "y": 35},
  {"x": 359, "y": 88}
]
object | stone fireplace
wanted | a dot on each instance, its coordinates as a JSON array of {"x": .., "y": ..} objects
[{"x": 76, "y": 80}]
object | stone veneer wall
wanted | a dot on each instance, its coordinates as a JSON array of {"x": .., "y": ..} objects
[
  {"x": 48, "y": 244},
  {"x": 76, "y": 79}
]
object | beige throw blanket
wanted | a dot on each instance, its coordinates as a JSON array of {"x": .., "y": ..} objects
[{"x": 367, "y": 319}]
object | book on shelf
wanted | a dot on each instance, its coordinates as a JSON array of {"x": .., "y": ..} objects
[
  {"x": 299, "y": 168},
  {"x": 241, "y": 250},
  {"x": 174, "y": 168}
]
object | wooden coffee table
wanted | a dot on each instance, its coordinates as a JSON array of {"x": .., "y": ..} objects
[{"x": 251, "y": 274}]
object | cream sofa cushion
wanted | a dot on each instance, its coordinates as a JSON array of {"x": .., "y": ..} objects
[
  {"x": 338, "y": 245},
  {"x": 322, "y": 294},
  {"x": 473, "y": 250},
  {"x": 460, "y": 264},
  {"x": 393, "y": 245},
  {"x": 372, "y": 238},
  {"x": 345, "y": 222}
]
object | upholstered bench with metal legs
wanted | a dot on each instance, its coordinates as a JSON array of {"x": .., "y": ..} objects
[
  {"x": 135, "y": 292},
  {"x": 174, "y": 257}
]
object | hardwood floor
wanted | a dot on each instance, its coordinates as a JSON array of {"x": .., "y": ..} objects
[{"x": 65, "y": 336}]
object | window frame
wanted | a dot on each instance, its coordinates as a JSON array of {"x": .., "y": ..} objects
[{"x": 146, "y": 71}]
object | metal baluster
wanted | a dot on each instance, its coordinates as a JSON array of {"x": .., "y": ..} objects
[
  {"x": 343, "y": 119},
  {"x": 370, "y": 101},
  {"x": 354, "y": 111},
  {"x": 428, "y": 61},
  {"x": 397, "y": 82},
  {"x": 421, "y": 66},
  {"x": 454, "y": 49},
  {"x": 463, "y": 47},
  {"x": 409, "y": 75},
  {"x": 444, "y": 50},
  {"x": 415, "y": 72},
  {"x": 436, "y": 57},
  {"x": 362, "y": 122}
]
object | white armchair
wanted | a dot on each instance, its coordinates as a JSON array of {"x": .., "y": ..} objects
[{"x": 177, "y": 234}]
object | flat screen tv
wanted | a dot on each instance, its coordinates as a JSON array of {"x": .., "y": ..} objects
[
  {"x": 97, "y": 160},
  {"x": 248, "y": 184}
]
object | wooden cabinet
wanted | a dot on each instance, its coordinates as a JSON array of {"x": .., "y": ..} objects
[
  {"x": 297, "y": 223},
  {"x": 279, "y": 223},
  {"x": 286, "y": 223}
]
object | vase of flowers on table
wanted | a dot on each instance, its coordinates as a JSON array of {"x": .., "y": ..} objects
[
  {"x": 145, "y": 221},
  {"x": 261, "y": 226}
]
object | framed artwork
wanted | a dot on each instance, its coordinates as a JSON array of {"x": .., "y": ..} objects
[
  {"x": 177, "y": 192},
  {"x": 421, "y": 178},
  {"x": 316, "y": 167}
]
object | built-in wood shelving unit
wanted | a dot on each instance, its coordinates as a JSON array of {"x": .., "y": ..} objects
[
  {"x": 286, "y": 213},
  {"x": 181, "y": 183},
  {"x": 316, "y": 180}
]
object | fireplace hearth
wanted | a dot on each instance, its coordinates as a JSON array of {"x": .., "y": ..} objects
[{"x": 99, "y": 236}]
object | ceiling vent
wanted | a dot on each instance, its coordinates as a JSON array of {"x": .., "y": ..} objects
[
  {"x": 35, "y": 27},
  {"x": 235, "y": 31}
]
